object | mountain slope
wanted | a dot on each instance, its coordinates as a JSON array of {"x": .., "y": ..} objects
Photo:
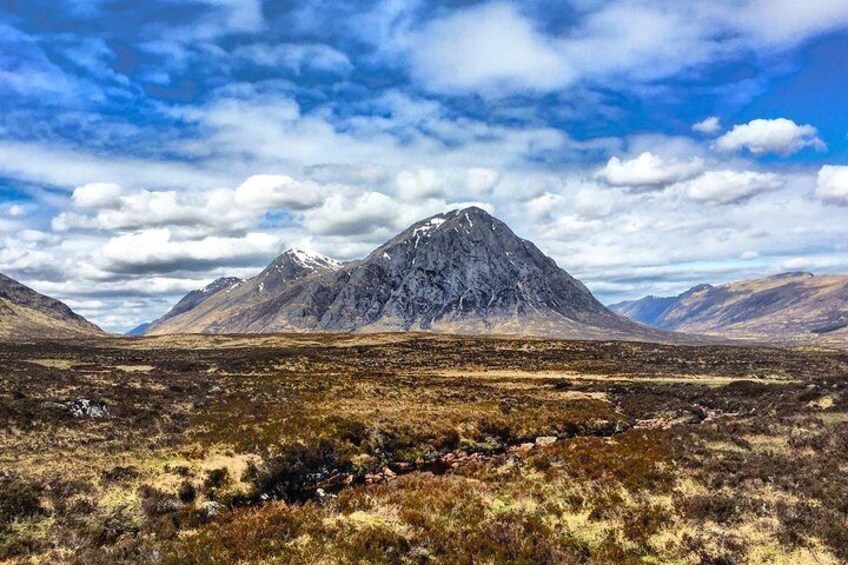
[
  {"x": 200, "y": 308},
  {"x": 463, "y": 271},
  {"x": 783, "y": 307},
  {"x": 25, "y": 313}
]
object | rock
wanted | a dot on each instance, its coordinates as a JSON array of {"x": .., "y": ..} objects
[
  {"x": 211, "y": 507},
  {"x": 84, "y": 408},
  {"x": 543, "y": 441},
  {"x": 324, "y": 496},
  {"x": 389, "y": 474}
]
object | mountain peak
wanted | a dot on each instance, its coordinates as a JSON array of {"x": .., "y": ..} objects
[
  {"x": 459, "y": 271},
  {"x": 219, "y": 284},
  {"x": 309, "y": 259},
  {"x": 292, "y": 265}
]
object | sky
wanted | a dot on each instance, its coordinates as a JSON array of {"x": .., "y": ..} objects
[{"x": 147, "y": 148}]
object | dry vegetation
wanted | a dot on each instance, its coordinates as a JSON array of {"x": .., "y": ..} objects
[{"x": 420, "y": 449}]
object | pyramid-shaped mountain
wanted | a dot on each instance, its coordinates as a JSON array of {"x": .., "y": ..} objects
[{"x": 460, "y": 272}]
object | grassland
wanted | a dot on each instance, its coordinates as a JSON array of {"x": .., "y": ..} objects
[{"x": 420, "y": 449}]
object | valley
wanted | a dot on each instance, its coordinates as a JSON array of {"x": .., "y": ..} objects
[{"x": 420, "y": 448}]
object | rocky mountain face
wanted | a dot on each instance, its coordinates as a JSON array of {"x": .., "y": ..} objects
[
  {"x": 463, "y": 271},
  {"x": 25, "y": 313},
  {"x": 790, "y": 306}
]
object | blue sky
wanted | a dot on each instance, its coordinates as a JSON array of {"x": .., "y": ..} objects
[{"x": 147, "y": 148}]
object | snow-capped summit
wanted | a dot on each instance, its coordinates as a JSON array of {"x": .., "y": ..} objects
[{"x": 311, "y": 259}]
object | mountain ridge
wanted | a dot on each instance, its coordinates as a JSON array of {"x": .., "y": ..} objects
[
  {"x": 462, "y": 271},
  {"x": 787, "y": 306},
  {"x": 26, "y": 313}
]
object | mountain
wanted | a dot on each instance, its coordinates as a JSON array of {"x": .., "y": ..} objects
[
  {"x": 200, "y": 308},
  {"x": 785, "y": 307},
  {"x": 139, "y": 330},
  {"x": 194, "y": 298},
  {"x": 460, "y": 272},
  {"x": 24, "y": 313}
]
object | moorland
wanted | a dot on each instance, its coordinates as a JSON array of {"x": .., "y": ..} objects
[{"x": 414, "y": 448}]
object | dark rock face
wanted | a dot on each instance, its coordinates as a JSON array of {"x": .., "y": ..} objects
[
  {"x": 25, "y": 312},
  {"x": 456, "y": 266},
  {"x": 463, "y": 271}
]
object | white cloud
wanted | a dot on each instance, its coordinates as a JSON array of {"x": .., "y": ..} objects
[
  {"x": 277, "y": 191},
  {"x": 728, "y": 187},
  {"x": 295, "y": 56},
  {"x": 97, "y": 195},
  {"x": 467, "y": 49},
  {"x": 156, "y": 251},
  {"x": 16, "y": 211},
  {"x": 593, "y": 203},
  {"x": 485, "y": 48},
  {"x": 543, "y": 207},
  {"x": 480, "y": 181},
  {"x": 781, "y": 136},
  {"x": 419, "y": 183},
  {"x": 780, "y": 22},
  {"x": 708, "y": 126},
  {"x": 342, "y": 214},
  {"x": 648, "y": 171},
  {"x": 832, "y": 184}
]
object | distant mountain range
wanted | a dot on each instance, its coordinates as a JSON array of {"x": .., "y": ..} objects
[
  {"x": 463, "y": 272},
  {"x": 459, "y": 272},
  {"x": 787, "y": 307},
  {"x": 24, "y": 313}
]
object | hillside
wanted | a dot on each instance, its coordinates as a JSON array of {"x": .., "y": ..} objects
[
  {"x": 785, "y": 307},
  {"x": 25, "y": 313}
]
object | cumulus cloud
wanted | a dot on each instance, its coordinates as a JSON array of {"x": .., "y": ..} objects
[
  {"x": 420, "y": 183},
  {"x": 781, "y": 136},
  {"x": 728, "y": 187},
  {"x": 108, "y": 206},
  {"x": 648, "y": 171},
  {"x": 156, "y": 251},
  {"x": 341, "y": 214},
  {"x": 277, "y": 191},
  {"x": 708, "y": 126},
  {"x": 98, "y": 195},
  {"x": 832, "y": 184}
]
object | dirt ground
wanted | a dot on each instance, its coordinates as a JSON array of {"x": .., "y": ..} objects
[{"x": 409, "y": 448}]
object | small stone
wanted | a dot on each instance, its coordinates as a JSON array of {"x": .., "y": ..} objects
[
  {"x": 85, "y": 408},
  {"x": 211, "y": 508},
  {"x": 543, "y": 441}
]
